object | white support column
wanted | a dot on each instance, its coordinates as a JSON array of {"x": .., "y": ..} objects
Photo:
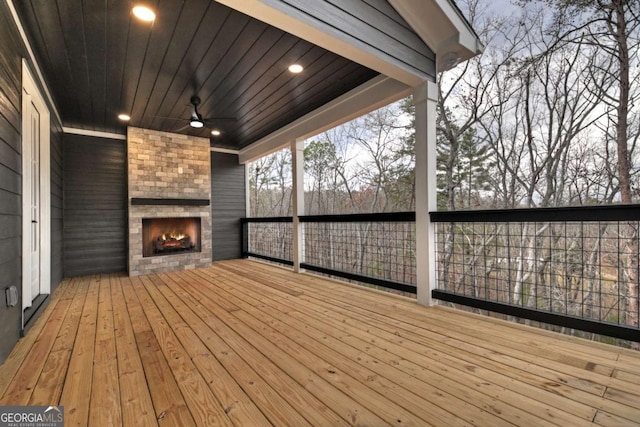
[
  {"x": 247, "y": 209},
  {"x": 297, "y": 171},
  {"x": 247, "y": 189},
  {"x": 424, "y": 99}
]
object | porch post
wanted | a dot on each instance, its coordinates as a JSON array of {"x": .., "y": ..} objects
[
  {"x": 247, "y": 190},
  {"x": 297, "y": 172},
  {"x": 424, "y": 99}
]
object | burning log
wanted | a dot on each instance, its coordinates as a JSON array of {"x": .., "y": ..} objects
[{"x": 171, "y": 242}]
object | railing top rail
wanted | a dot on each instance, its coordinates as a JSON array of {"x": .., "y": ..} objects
[
  {"x": 267, "y": 219},
  {"x": 366, "y": 217},
  {"x": 573, "y": 213},
  {"x": 569, "y": 214}
]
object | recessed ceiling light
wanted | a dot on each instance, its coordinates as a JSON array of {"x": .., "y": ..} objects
[
  {"x": 215, "y": 132},
  {"x": 143, "y": 13},
  {"x": 295, "y": 68},
  {"x": 124, "y": 117}
]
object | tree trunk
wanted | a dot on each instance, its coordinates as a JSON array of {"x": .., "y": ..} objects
[{"x": 624, "y": 165}]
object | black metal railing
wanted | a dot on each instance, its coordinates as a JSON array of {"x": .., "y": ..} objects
[
  {"x": 572, "y": 267},
  {"x": 577, "y": 268},
  {"x": 377, "y": 249},
  {"x": 270, "y": 239}
]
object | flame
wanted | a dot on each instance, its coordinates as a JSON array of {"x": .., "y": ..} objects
[{"x": 173, "y": 236}]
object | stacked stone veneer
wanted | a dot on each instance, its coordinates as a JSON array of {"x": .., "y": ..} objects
[{"x": 167, "y": 166}]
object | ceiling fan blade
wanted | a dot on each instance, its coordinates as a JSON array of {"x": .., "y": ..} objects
[
  {"x": 183, "y": 128},
  {"x": 219, "y": 119},
  {"x": 168, "y": 118}
]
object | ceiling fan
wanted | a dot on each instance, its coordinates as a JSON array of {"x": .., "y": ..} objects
[{"x": 197, "y": 121}]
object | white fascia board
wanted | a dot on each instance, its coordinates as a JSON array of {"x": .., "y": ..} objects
[
  {"x": 93, "y": 133},
  {"x": 375, "y": 93},
  {"x": 442, "y": 27},
  {"x": 32, "y": 58},
  {"x": 224, "y": 150},
  {"x": 467, "y": 36},
  {"x": 275, "y": 13}
]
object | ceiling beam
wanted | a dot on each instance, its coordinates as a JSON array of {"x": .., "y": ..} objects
[{"x": 374, "y": 94}]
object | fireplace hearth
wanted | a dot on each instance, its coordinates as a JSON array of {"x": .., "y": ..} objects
[{"x": 167, "y": 236}]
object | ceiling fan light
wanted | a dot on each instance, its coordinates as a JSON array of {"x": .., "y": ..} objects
[{"x": 196, "y": 123}]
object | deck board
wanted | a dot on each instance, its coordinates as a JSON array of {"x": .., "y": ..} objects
[
  {"x": 233, "y": 400},
  {"x": 76, "y": 391},
  {"x": 203, "y": 405},
  {"x": 229, "y": 346},
  {"x": 389, "y": 359},
  {"x": 105, "y": 405},
  {"x": 245, "y": 343},
  {"x": 136, "y": 406},
  {"x": 469, "y": 335},
  {"x": 21, "y": 388},
  {"x": 419, "y": 393},
  {"x": 170, "y": 408},
  {"x": 51, "y": 380}
]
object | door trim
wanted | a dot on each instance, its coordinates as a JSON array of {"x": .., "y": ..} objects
[{"x": 31, "y": 93}]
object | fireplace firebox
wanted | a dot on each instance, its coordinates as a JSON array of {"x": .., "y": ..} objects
[{"x": 167, "y": 236}]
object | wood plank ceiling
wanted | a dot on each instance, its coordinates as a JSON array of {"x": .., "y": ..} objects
[{"x": 100, "y": 61}]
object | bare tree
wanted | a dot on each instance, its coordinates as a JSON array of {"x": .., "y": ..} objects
[{"x": 612, "y": 27}]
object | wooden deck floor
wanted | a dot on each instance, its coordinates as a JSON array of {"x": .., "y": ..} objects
[{"x": 246, "y": 344}]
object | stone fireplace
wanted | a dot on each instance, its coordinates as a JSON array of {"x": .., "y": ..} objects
[{"x": 169, "y": 178}]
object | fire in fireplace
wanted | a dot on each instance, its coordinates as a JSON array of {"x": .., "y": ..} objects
[{"x": 165, "y": 236}]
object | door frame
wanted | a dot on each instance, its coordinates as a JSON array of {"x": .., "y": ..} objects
[{"x": 31, "y": 93}]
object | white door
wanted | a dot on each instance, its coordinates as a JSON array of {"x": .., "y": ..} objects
[
  {"x": 36, "y": 232},
  {"x": 34, "y": 178}
]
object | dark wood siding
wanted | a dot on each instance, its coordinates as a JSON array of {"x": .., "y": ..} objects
[
  {"x": 228, "y": 205},
  {"x": 57, "y": 250},
  {"x": 10, "y": 183},
  {"x": 374, "y": 23},
  {"x": 11, "y": 53},
  {"x": 95, "y": 205}
]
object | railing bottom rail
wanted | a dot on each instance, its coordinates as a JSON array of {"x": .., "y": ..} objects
[
  {"x": 266, "y": 258},
  {"x": 563, "y": 320},
  {"x": 359, "y": 278}
]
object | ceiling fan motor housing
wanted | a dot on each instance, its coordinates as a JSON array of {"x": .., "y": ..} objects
[{"x": 196, "y": 117}]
